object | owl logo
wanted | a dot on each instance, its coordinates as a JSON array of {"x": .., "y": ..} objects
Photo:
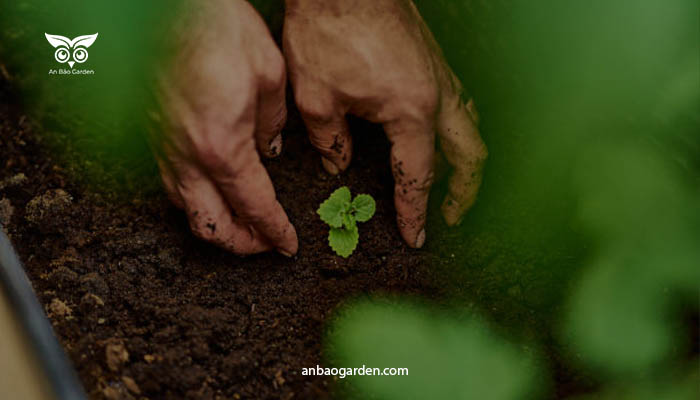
[{"x": 71, "y": 51}]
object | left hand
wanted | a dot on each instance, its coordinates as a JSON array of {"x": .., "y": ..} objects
[{"x": 223, "y": 103}]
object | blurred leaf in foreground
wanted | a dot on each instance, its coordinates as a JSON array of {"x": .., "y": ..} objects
[
  {"x": 622, "y": 317},
  {"x": 446, "y": 358}
]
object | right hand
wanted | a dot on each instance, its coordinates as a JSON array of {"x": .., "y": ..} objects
[
  {"x": 377, "y": 59},
  {"x": 222, "y": 100}
]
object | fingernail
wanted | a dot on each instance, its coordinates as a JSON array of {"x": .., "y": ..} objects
[
  {"x": 420, "y": 241},
  {"x": 285, "y": 253},
  {"x": 329, "y": 166},
  {"x": 276, "y": 145}
]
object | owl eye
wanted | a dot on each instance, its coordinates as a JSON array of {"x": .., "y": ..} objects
[
  {"x": 80, "y": 54},
  {"x": 62, "y": 54}
]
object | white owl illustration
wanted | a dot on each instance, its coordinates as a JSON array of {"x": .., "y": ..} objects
[{"x": 67, "y": 48}]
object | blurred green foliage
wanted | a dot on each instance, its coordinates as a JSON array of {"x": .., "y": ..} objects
[
  {"x": 646, "y": 223},
  {"x": 584, "y": 243},
  {"x": 445, "y": 358}
]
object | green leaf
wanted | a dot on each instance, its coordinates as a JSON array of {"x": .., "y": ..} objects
[
  {"x": 349, "y": 221},
  {"x": 343, "y": 241},
  {"x": 332, "y": 210},
  {"x": 448, "y": 358},
  {"x": 364, "y": 206}
]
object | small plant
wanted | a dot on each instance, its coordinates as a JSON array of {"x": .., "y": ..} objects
[{"x": 342, "y": 215}]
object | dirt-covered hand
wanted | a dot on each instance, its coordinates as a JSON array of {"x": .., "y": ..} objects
[
  {"x": 377, "y": 59},
  {"x": 222, "y": 99}
]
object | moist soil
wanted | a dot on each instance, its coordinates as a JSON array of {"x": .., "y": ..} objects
[
  {"x": 143, "y": 308},
  {"x": 146, "y": 310}
]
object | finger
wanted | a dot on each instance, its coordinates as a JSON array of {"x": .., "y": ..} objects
[
  {"x": 244, "y": 183},
  {"x": 412, "y": 156},
  {"x": 272, "y": 108},
  {"x": 328, "y": 130},
  {"x": 210, "y": 217},
  {"x": 168, "y": 179},
  {"x": 465, "y": 152}
]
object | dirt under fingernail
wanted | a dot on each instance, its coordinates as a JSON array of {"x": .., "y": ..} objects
[{"x": 276, "y": 145}]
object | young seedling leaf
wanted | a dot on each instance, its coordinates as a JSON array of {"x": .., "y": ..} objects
[
  {"x": 343, "y": 241},
  {"x": 349, "y": 221},
  {"x": 364, "y": 207},
  {"x": 342, "y": 215},
  {"x": 332, "y": 210}
]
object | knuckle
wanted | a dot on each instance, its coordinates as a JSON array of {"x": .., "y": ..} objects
[
  {"x": 426, "y": 182},
  {"x": 329, "y": 144},
  {"x": 211, "y": 154},
  {"x": 274, "y": 71},
  {"x": 453, "y": 86},
  {"x": 422, "y": 98},
  {"x": 421, "y": 184},
  {"x": 225, "y": 157},
  {"x": 452, "y": 101},
  {"x": 410, "y": 189},
  {"x": 321, "y": 142},
  {"x": 315, "y": 110}
]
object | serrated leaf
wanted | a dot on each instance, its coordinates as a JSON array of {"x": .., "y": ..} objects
[
  {"x": 343, "y": 241},
  {"x": 364, "y": 206},
  {"x": 332, "y": 209}
]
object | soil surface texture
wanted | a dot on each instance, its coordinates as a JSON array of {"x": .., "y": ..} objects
[{"x": 144, "y": 309}]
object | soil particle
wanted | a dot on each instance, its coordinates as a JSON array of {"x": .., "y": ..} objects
[
  {"x": 6, "y": 212},
  {"x": 116, "y": 393},
  {"x": 46, "y": 209},
  {"x": 59, "y": 309},
  {"x": 131, "y": 385},
  {"x": 116, "y": 354},
  {"x": 15, "y": 180},
  {"x": 90, "y": 301}
]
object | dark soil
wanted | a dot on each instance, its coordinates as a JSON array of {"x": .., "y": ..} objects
[{"x": 145, "y": 309}]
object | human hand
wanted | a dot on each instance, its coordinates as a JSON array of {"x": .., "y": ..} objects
[
  {"x": 222, "y": 99},
  {"x": 377, "y": 59}
]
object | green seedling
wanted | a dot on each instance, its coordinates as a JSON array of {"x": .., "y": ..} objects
[{"x": 342, "y": 215}]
